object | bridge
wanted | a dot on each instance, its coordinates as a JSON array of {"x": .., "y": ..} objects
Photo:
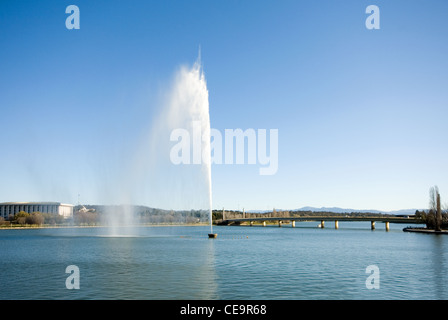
[{"x": 280, "y": 220}]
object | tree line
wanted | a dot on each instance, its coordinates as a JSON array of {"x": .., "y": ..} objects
[
  {"x": 436, "y": 217},
  {"x": 99, "y": 215},
  {"x": 23, "y": 218},
  {"x": 140, "y": 215},
  {"x": 236, "y": 214}
]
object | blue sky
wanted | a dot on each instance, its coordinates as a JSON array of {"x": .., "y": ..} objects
[{"x": 361, "y": 113}]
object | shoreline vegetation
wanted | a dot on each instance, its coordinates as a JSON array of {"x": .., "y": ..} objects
[
  {"x": 98, "y": 216},
  {"x": 435, "y": 219},
  {"x": 61, "y": 226}
]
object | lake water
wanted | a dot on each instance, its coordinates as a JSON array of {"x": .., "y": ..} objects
[{"x": 243, "y": 263}]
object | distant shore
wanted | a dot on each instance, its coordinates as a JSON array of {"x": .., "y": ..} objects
[{"x": 102, "y": 226}]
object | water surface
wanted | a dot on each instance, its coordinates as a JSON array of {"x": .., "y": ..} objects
[{"x": 242, "y": 263}]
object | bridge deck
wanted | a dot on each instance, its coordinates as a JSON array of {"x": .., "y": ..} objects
[{"x": 330, "y": 218}]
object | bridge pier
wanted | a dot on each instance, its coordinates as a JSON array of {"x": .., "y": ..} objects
[
  {"x": 372, "y": 225},
  {"x": 264, "y": 223},
  {"x": 293, "y": 223},
  {"x": 387, "y": 225},
  {"x": 336, "y": 224},
  {"x": 322, "y": 225},
  {"x": 251, "y": 223},
  {"x": 279, "y": 223}
]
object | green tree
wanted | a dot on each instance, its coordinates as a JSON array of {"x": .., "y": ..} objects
[
  {"x": 21, "y": 217},
  {"x": 53, "y": 218},
  {"x": 35, "y": 218}
]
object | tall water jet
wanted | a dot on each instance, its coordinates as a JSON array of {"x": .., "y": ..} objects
[
  {"x": 174, "y": 164},
  {"x": 200, "y": 116},
  {"x": 190, "y": 108}
]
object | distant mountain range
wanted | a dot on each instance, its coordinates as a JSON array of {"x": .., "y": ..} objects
[{"x": 342, "y": 210}]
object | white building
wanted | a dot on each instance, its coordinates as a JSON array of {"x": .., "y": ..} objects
[{"x": 12, "y": 208}]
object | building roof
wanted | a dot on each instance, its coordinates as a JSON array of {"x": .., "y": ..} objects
[{"x": 37, "y": 203}]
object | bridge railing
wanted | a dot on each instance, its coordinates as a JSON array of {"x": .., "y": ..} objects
[{"x": 323, "y": 219}]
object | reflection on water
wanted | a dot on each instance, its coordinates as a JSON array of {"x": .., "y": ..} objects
[
  {"x": 242, "y": 263},
  {"x": 438, "y": 267}
]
